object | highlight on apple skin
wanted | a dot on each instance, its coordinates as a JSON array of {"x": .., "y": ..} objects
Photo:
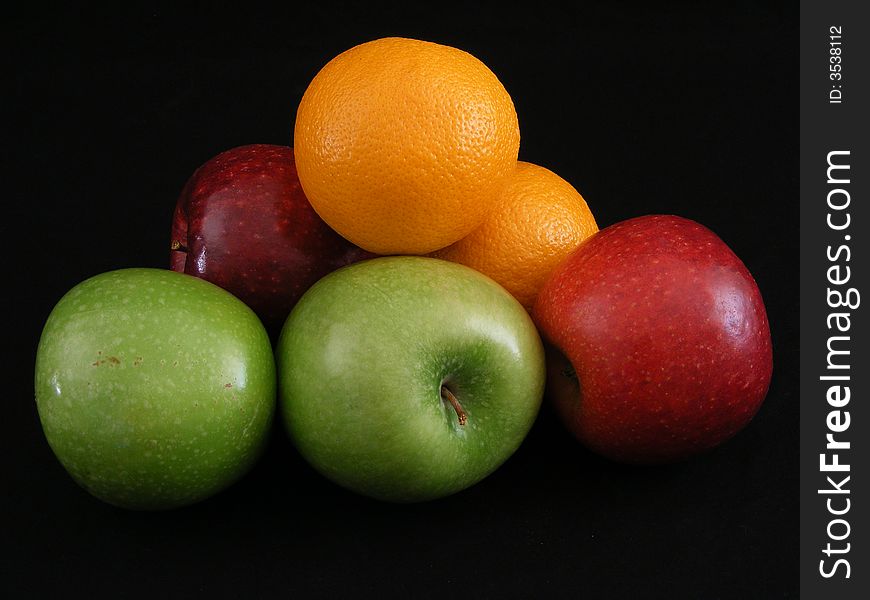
[{"x": 659, "y": 346}]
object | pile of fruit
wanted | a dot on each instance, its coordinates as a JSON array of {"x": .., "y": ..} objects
[{"x": 405, "y": 377}]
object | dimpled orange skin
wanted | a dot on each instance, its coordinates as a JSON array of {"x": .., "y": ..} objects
[
  {"x": 539, "y": 219},
  {"x": 402, "y": 146}
]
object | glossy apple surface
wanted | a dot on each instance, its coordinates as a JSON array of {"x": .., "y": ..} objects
[
  {"x": 155, "y": 389},
  {"x": 408, "y": 378},
  {"x": 660, "y": 341},
  {"x": 243, "y": 223}
]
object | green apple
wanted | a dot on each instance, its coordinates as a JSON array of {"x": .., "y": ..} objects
[
  {"x": 155, "y": 389},
  {"x": 408, "y": 378}
]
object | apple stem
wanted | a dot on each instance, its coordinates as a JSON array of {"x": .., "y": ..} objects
[{"x": 448, "y": 395}]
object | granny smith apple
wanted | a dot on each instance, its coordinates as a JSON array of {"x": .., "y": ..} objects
[
  {"x": 155, "y": 389},
  {"x": 408, "y": 378}
]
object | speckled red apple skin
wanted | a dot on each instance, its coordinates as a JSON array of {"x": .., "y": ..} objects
[
  {"x": 667, "y": 333},
  {"x": 243, "y": 222}
]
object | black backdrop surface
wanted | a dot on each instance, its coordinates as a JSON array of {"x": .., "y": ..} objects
[{"x": 676, "y": 108}]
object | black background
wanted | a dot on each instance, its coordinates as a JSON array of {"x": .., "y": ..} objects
[{"x": 671, "y": 108}]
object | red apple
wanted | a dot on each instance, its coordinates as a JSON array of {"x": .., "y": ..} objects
[
  {"x": 243, "y": 223},
  {"x": 660, "y": 341}
]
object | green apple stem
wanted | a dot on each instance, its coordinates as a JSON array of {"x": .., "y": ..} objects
[{"x": 448, "y": 395}]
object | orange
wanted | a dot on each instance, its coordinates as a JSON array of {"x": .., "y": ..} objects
[
  {"x": 539, "y": 220},
  {"x": 402, "y": 146}
]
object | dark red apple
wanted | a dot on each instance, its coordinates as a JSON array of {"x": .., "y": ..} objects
[
  {"x": 243, "y": 223},
  {"x": 660, "y": 345}
]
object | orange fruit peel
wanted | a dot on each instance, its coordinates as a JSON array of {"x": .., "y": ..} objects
[
  {"x": 402, "y": 146},
  {"x": 539, "y": 219}
]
